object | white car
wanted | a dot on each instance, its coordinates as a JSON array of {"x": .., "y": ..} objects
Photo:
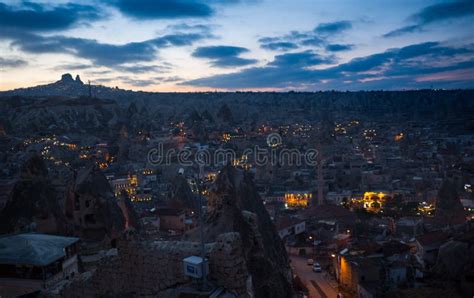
[
  {"x": 317, "y": 267},
  {"x": 310, "y": 262}
]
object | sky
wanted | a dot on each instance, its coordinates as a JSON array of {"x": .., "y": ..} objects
[{"x": 227, "y": 45}]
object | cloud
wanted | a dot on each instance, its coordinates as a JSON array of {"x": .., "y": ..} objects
[
  {"x": 403, "y": 30},
  {"x": 178, "y": 39},
  {"x": 286, "y": 42},
  {"x": 394, "y": 68},
  {"x": 223, "y": 56},
  {"x": 166, "y": 9},
  {"x": 316, "y": 38},
  {"x": 171, "y": 79},
  {"x": 280, "y": 45},
  {"x": 163, "y": 9},
  {"x": 285, "y": 70},
  {"x": 333, "y": 27},
  {"x": 31, "y": 16},
  {"x": 436, "y": 13},
  {"x": 140, "y": 68},
  {"x": 313, "y": 41},
  {"x": 301, "y": 59},
  {"x": 443, "y": 11},
  {"x": 139, "y": 82},
  {"x": 10, "y": 63},
  {"x": 72, "y": 66},
  {"x": 184, "y": 27},
  {"x": 102, "y": 80},
  {"x": 339, "y": 47},
  {"x": 100, "y": 54}
]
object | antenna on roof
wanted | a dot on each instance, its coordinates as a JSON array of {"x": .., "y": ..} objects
[{"x": 90, "y": 89}]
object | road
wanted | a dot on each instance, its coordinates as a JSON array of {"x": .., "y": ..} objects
[{"x": 316, "y": 282}]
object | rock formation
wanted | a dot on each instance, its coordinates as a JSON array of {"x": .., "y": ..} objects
[
  {"x": 92, "y": 206},
  {"x": 33, "y": 204},
  {"x": 182, "y": 195},
  {"x": 78, "y": 80},
  {"x": 132, "y": 221},
  {"x": 448, "y": 198},
  {"x": 449, "y": 209},
  {"x": 67, "y": 78},
  {"x": 235, "y": 206}
]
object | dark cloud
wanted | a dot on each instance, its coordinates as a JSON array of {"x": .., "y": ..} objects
[
  {"x": 10, "y": 63},
  {"x": 178, "y": 39},
  {"x": 290, "y": 41},
  {"x": 215, "y": 52},
  {"x": 436, "y": 13},
  {"x": 301, "y": 59},
  {"x": 333, "y": 27},
  {"x": 163, "y": 9},
  {"x": 166, "y": 9},
  {"x": 100, "y": 54},
  {"x": 316, "y": 38},
  {"x": 394, "y": 68},
  {"x": 184, "y": 27},
  {"x": 279, "y": 45},
  {"x": 39, "y": 17},
  {"x": 223, "y": 56},
  {"x": 444, "y": 11},
  {"x": 286, "y": 70},
  {"x": 339, "y": 47},
  {"x": 313, "y": 41},
  {"x": 403, "y": 30}
]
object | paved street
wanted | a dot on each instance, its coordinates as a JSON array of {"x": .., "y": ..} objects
[{"x": 317, "y": 283}]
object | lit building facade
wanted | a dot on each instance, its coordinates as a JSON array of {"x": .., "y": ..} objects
[{"x": 298, "y": 199}]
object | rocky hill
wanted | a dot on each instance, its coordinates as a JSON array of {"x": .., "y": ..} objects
[{"x": 68, "y": 87}]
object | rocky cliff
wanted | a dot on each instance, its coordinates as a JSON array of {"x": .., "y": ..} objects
[
  {"x": 92, "y": 207},
  {"x": 235, "y": 206},
  {"x": 132, "y": 220},
  {"x": 182, "y": 195},
  {"x": 33, "y": 203}
]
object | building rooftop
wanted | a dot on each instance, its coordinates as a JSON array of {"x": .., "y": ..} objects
[{"x": 33, "y": 249}]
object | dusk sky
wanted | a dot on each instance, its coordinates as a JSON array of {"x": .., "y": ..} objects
[{"x": 198, "y": 45}]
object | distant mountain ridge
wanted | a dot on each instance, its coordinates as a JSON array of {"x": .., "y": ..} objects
[
  {"x": 69, "y": 87},
  {"x": 452, "y": 105}
]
